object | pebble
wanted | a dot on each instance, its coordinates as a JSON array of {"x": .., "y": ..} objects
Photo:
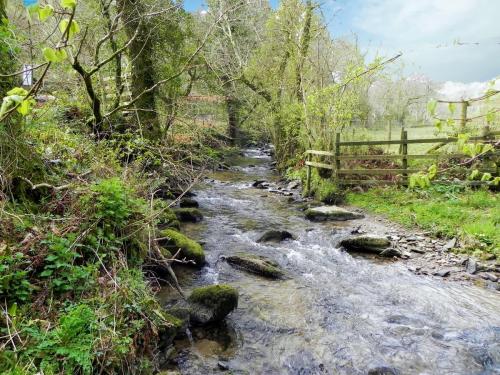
[
  {"x": 489, "y": 276},
  {"x": 442, "y": 273}
]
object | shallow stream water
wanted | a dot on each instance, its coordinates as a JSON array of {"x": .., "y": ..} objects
[{"x": 335, "y": 313}]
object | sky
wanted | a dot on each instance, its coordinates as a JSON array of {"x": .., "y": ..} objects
[{"x": 444, "y": 40}]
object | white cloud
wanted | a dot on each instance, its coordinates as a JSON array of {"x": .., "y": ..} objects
[
  {"x": 459, "y": 90},
  {"x": 428, "y": 32}
]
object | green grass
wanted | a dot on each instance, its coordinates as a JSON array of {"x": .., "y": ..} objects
[{"x": 472, "y": 216}]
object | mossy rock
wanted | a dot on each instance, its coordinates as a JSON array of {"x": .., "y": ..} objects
[
  {"x": 189, "y": 203},
  {"x": 366, "y": 243},
  {"x": 171, "y": 328},
  {"x": 168, "y": 219},
  {"x": 188, "y": 214},
  {"x": 190, "y": 249},
  {"x": 333, "y": 213},
  {"x": 255, "y": 264},
  {"x": 212, "y": 303}
]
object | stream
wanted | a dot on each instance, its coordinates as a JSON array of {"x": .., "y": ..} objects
[{"x": 334, "y": 313}]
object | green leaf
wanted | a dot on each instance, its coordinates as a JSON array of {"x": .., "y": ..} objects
[
  {"x": 474, "y": 174},
  {"x": 432, "y": 171},
  {"x": 68, "y": 4},
  {"x": 439, "y": 125},
  {"x": 431, "y": 107},
  {"x": 73, "y": 29},
  {"x": 490, "y": 116},
  {"x": 451, "y": 108},
  {"x": 12, "y": 309},
  {"x": 45, "y": 12},
  {"x": 17, "y": 91},
  {"x": 25, "y": 107},
  {"x": 53, "y": 55},
  {"x": 486, "y": 177}
]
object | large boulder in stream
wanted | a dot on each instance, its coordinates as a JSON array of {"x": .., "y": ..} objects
[
  {"x": 370, "y": 244},
  {"x": 188, "y": 203},
  {"x": 275, "y": 236},
  {"x": 212, "y": 303},
  {"x": 191, "y": 250},
  {"x": 333, "y": 213},
  {"x": 188, "y": 214},
  {"x": 255, "y": 264}
]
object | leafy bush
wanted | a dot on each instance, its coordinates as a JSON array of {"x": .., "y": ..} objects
[
  {"x": 63, "y": 274},
  {"x": 14, "y": 283},
  {"x": 67, "y": 348}
]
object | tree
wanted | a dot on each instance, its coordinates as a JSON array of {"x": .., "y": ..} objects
[{"x": 227, "y": 54}]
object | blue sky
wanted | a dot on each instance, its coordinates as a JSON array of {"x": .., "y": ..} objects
[{"x": 437, "y": 37}]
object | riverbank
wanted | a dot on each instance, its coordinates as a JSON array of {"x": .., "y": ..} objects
[{"x": 470, "y": 216}]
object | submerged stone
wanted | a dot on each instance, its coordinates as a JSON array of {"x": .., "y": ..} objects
[
  {"x": 256, "y": 264},
  {"x": 370, "y": 244},
  {"x": 212, "y": 303},
  {"x": 188, "y": 214},
  {"x": 383, "y": 370},
  {"x": 334, "y": 213},
  {"x": 275, "y": 236},
  {"x": 190, "y": 249}
]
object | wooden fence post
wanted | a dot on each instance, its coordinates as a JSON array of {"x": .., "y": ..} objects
[
  {"x": 404, "y": 144},
  {"x": 308, "y": 178},
  {"x": 337, "y": 155}
]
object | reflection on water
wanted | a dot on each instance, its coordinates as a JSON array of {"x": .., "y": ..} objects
[{"x": 335, "y": 314}]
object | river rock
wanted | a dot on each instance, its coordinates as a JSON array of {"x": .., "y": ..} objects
[
  {"x": 188, "y": 203},
  {"x": 369, "y": 244},
  {"x": 293, "y": 185},
  {"x": 212, "y": 303},
  {"x": 442, "y": 273},
  {"x": 258, "y": 183},
  {"x": 173, "y": 240},
  {"x": 255, "y": 264},
  {"x": 471, "y": 266},
  {"x": 333, "y": 213},
  {"x": 188, "y": 214},
  {"x": 383, "y": 370},
  {"x": 275, "y": 236}
]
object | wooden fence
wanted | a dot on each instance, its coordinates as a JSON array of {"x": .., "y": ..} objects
[{"x": 404, "y": 156}]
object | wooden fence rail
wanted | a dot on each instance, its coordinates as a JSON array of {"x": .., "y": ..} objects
[{"x": 404, "y": 171}]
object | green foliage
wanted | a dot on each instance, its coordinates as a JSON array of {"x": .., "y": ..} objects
[
  {"x": 67, "y": 348},
  {"x": 14, "y": 282},
  {"x": 54, "y": 55},
  {"x": 112, "y": 203},
  {"x": 17, "y": 97},
  {"x": 60, "y": 268}
]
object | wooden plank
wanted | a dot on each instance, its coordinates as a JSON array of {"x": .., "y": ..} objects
[
  {"x": 376, "y": 171},
  {"x": 402, "y": 182},
  {"x": 412, "y": 141},
  {"x": 410, "y": 156},
  {"x": 319, "y": 165},
  {"x": 315, "y": 152},
  {"x": 370, "y": 182}
]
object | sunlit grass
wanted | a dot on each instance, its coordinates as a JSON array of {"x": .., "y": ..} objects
[{"x": 473, "y": 216}]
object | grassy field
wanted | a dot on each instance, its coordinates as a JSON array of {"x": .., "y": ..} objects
[{"x": 471, "y": 216}]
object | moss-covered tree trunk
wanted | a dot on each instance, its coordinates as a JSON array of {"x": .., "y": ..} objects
[{"x": 143, "y": 72}]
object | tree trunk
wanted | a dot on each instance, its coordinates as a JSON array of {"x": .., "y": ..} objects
[
  {"x": 232, "y": 106},
  {"x": 94, "y": 100},
  {"x": 305, "y": 39},
  {"x": 141, "y": 55}
]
